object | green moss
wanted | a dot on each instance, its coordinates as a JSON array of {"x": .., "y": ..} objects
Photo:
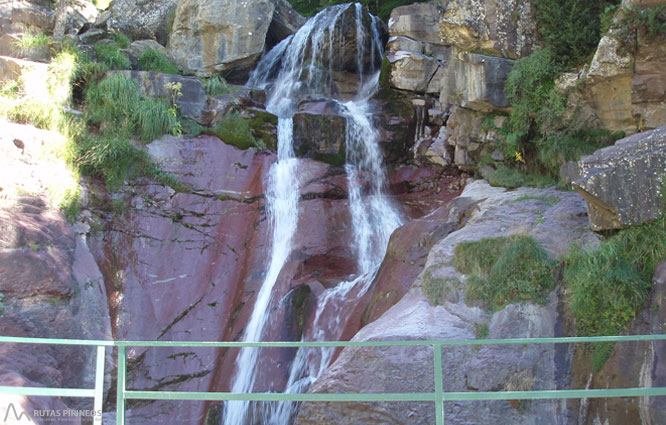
[
  {"x": 153, "y": 60},
  {"x": 434, "y": 288},
  {"x": 385, "y": 73},
  {"x": 234, "y": 130}
]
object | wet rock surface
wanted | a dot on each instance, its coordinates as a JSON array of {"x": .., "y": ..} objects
[{"x": 487, "y": 212}]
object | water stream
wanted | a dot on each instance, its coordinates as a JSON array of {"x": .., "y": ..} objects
[{"x": 299, "y": 67}]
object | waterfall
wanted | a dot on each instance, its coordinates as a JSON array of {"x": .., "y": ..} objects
[{"x": 301, "y": 66}]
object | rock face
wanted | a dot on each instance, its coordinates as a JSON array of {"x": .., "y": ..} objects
[
  {"x": 49, "y": 281},
  {"x": 227, "y": 36},
  {"x": 475, "y": 81},
  {"x": 490, "y": 212},
  {"x": 623, "y": 89},
  {"x": 142, "y": 19},
  {"x": 416, "y": 54},
  {"x": 500, "y": 28},
  {"x": 623, "y": 184}
]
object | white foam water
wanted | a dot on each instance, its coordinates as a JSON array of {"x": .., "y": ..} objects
[{"x": 373, "y": 216}]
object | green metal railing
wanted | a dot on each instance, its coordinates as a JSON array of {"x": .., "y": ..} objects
[{"x": 439, "y": 396}]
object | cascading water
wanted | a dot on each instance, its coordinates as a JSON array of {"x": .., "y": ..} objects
[{"x": 306, "y": 62}]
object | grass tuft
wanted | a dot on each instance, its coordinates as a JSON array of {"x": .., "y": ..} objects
[
  {"x": 121, "y": 40},
  {"x": 153, "y": 60},
  {"x": 606, "y": 288},
  {"x": 505, "y": 270},
  {"x": 112, "y": 57}
]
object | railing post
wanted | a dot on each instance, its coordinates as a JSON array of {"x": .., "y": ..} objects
[
  {"x": 439, "y": 385},
  {"x": 120, "y": 398},
  {"x": 99, "y": 385}
]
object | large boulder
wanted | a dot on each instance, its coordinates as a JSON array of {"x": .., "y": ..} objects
[
  {"x": 499, "y": 28},
  {"x": 475, "y": 81},
  {"x": 415, "y": 72},
  {"x": 623, "y": 184},
  {"x": 286, "y": 21},
  {"x": 142, "y": 19},
  {"x": 319, "y": 131},
  {"x": 224, "y": 36},
  {"x": 418, "y": 21}
]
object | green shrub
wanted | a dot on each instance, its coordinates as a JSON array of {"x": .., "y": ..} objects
[
  {"x": 606, "y": 287},
  {"x": 505, "y": 270},
  {"x": 511, "y": 178},
  {"x": 154, "y": 60},
  {"x": 154, "y": 118},
  {"x": 538, "y": 133},
  {"x": 234, "y": 130},
  {"x": 571, "y": 27},
  {"x": 110, "y": 56},
  {"x": 647, "y": 22}
]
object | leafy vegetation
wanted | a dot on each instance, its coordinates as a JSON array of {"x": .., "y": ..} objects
[
  {"x": 634, "y": 21},
  {"x": 381, "y": 8},
  {"x": 540, "y": 136},
  {"x": 571, "y": 28},
  {"x": 505, "y": 270},
  {"x": 606, "y": 287},
  {"x": 154, "y": 60},
  {"x": 434, "y": 288}
]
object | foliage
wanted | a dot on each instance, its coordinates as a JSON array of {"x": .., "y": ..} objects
[
  {"x": 234, "y": 130},
  {"x": 505, "y": 270},
  {"x": 154, "y": 60},
  {"x": 571, "y": 28},
  {"x": 121, "y": 40},
  {"x": 539, "y": 135},
  {"x": 381, "y": 8},
  {"x": 112, "y": 57},
  {"x": 606, "y": 287},
  {"x": 633, "y": 21}
]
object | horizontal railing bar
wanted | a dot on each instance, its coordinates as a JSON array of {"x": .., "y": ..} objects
[
  {"x": 48, "y": 392},
  {"x": 222, "y": 396},
  {"x": 380, "y": 397},
  {"x": 314, "y": 344}
]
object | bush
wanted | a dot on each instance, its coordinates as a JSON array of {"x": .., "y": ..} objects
[
  {"x": 113, "y": 58},
  {"x": 505, "y": 270},
  {"x": 633, "y": 21},
  {"x": 153, "y": 60},
  {"x": 571, "y": 28}
]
